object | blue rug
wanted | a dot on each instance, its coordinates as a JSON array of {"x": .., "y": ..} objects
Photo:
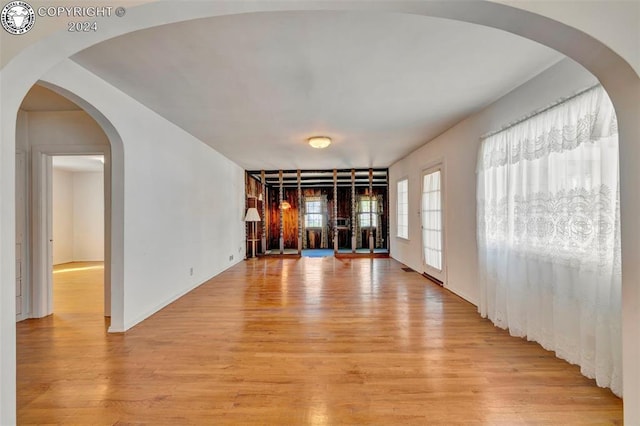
[{"x": 317, "y": 253}]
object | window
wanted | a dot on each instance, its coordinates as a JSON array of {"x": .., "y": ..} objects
[
  {"x": 368, "y": 216},
  {"x": 403, "y": 208},
  {"x": 432, "y": 220},
  {"x": 548, "y": 233},
  {"x": 313, "y": 213}
]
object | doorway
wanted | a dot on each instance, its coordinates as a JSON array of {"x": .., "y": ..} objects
[
  {"x": 431, "y": 213},
  {"x": 71, "y": 219},
  {"x": 77, "y": 217}
]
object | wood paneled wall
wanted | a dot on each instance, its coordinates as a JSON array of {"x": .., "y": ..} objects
[
  {"x": 253, "y": 188},
  {"x": 290, "y": 218}
]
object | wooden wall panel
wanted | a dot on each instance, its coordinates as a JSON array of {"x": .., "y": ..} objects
[
  {"x": 344, "y": 211},
  {"x": 290, "y": 219},
  {"x": 252, "y": 191}
]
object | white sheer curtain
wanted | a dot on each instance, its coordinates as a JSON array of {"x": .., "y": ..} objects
[{"x": 548, "y": 233}]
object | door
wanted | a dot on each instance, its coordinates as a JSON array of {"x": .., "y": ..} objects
[
  {"x": 42, "y": 261},
  {"x": 432, "y": 224}
]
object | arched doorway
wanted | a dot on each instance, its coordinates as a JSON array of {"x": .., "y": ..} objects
[
  {"x": 113, "y": 205},
  {"x": 43, "y": 115}
]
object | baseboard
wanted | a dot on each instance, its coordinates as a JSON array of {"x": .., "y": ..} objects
[
  {"x": 461, "y": 295},
  {"x": 137, "y": 320}
]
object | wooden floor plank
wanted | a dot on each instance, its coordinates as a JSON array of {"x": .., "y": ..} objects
[{"x": 317, "y": 341}]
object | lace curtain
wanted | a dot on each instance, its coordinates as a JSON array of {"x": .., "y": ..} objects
[
  {"x": 323, "y": 224},
  {"x": 362, "y": 207},
  {"x": 548, "y": 233}
]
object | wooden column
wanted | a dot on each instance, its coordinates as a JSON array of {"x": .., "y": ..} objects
[
  {"x": 353, "y": 211},
  {"x": 387, "y": 212},
  {"x": 264, "y": 213},
  {"x": 335, "y": 211},
  {"x": 280, "y": 197},
  {"x": 299, "y": 214},
  {"x": 370, "y": 211},
  {"x": 247, "y": 226}
]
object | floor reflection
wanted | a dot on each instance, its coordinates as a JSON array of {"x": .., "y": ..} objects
[{"x": 304, "y": 341}]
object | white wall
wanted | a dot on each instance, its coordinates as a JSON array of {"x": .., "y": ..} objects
[
  {"x": 614, "y": 22},
  {"x": 22, "y": 148},
  {"x": 457, "y": 149},
  {"x": 48, "y": 128},
  {"x": 183, "y": 201},
  {"x": 62, "y": 206},
  {"x": 78, "y": 216},
  {"x": 88, "y": 216},
  {"x": 22, "y": 131}
]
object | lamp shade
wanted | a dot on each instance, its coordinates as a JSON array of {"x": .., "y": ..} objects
[{"x": 252, "y": 215}]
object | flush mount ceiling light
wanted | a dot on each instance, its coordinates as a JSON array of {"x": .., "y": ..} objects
[{"x": 319, "y": 141}]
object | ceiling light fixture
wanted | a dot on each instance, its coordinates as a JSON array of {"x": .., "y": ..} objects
[{"x": 319, "y": 141}]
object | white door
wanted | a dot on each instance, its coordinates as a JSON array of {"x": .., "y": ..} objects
[
  {"x": 42, "y": 261},
  {"x": 432, "y": 224}
]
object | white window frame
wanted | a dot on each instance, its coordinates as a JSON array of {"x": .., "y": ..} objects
[
  {"x": 371, "y": 214},
  {"x": 402, "y": 209},
  {"x": 308, "y": 215}
]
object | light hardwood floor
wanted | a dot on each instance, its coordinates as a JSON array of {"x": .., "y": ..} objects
[{"x": 311, "y": 341}]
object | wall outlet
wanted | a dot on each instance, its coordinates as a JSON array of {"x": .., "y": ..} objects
[
  {"x": 231, "y": 258},
  {"x": 239, "y": 249},
  {"x": 191, "y": 271}
]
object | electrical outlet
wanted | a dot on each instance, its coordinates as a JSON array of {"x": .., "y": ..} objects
[
  {"x": 191, "y": 271},
  {"x": 230, "y": 258}
]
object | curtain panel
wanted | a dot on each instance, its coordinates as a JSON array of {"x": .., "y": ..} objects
[{"x": 549, "y": 236}]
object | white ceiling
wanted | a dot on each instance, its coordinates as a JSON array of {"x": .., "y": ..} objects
[
  {"x": 255, "y": 86},
  {"x": 79, "y": 163}
]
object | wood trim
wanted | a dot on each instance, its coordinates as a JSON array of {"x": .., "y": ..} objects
[
  {"x": 369, "y": 234},
  {"x": 335, "y": 211},
  {"x": 354, "y": 223},
  {"x": 264, "y": 215},
  {"x": 300, "y": 218},
  {"x": 281, "y": 215}
]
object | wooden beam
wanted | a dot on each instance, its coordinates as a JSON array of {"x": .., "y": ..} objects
[
  {"x": 280, "y": 197},
  {"x": 353, "y": 211},
  {"x": 388, "y": 216},
  {"x": 264, "y": 213},
  {"x": 371, "y": 245},
  {"x": 335, "y": 211},
  {"x": 300, "y": 218}
]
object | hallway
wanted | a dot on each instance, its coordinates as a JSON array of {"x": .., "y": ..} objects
[{"x": 317, "y": 341}]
